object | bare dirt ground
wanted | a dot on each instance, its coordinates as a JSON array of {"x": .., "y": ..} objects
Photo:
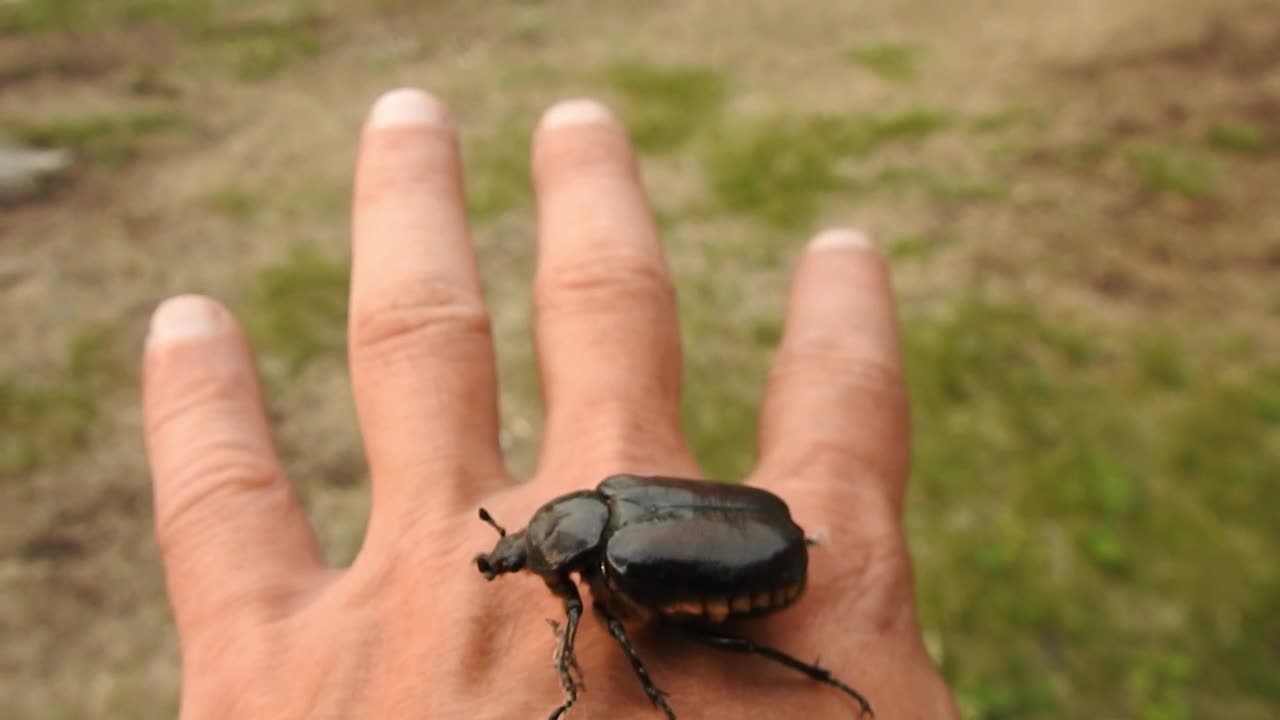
[{"x": 1113, "y": 164}]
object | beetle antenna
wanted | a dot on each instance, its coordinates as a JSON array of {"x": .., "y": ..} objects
[{"x": 485, "y": 516}]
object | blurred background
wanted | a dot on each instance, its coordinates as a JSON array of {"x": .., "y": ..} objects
[{"x": 1079, "y": 200}]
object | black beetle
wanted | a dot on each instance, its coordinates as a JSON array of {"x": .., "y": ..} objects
[{"x": 686, "y": 553}]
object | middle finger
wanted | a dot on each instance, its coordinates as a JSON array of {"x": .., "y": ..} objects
[
  {"x": 608, "y": 343},
  {"x": 421, "y": 350}
]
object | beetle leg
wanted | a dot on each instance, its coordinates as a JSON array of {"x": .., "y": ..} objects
[
  {"x": 565, "y": 659},
  {"x": 619, "y": 633},
  {"x": 573, "y": 658},
  {"x": 732, "y": 643}
]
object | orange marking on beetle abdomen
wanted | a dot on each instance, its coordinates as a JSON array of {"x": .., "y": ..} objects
[{"x": 719, "y": 609}]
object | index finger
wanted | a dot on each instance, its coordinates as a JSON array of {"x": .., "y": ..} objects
[{"x": 835, "y": 413}]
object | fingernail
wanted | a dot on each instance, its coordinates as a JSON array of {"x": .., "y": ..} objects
[
  {"x": 577, "y": 112},
  {"x": 408, "y": 106},
  {"x": 184, "y": 317},
  {"x": 841, "y": 238}
]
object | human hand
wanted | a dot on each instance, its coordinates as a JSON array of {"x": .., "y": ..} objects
[{"x": 411, "y": 630}]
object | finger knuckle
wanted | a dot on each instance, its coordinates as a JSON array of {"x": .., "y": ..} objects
[
  {"x": 403, "y": 166},
  {"x": 205, "y": 489},
  {"x": 841, "y": 365},
  {"x": 594, "y": 437},
  {"x": 832, "y": 459},
  {"x": 605, "y": 283},
  {"x": 579, "y": 162},
  {"x": 407, "y": 318},
  {"x": 191, "y": 399}
]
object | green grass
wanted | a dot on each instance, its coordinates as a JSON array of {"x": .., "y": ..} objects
[
  {"x": 1007, "y": 119},
  {"x": 234, "y": 202},
  {"x": 256, "y": 49},
  {"x": 938, "y": 185},
  {"x": 1159, "y": 360},
  {"x": 1238, "y": 139},
  {"x": 48, "y": 416},
  {"x": 777, "y": 171},
  {"x": 916, "y": 246},
  {"x": 1085, "y": 155},
  {"x": 41, "y": 421},
  {"x": 43, "y": 16},
  {"x": 261, "y": 50},
  {"x": 894, "y": 63},
  {"x": 780, "y": 169},
  {"x": 1084, "y": 516},
  {"x": 497, "y": 171},
  {"x": 1173, "y": 170},
  {"x": 106, "y": 140},
  {"x": 664, "y": 106},
  {"x": 725, "y": 366},
  {"x": 297, "y": 309},
  {"x": 866, "y": 134}
]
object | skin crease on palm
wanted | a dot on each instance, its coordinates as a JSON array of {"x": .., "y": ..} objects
[{"x": 411, "y": 629}]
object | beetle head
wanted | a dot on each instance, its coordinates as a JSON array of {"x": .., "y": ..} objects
[{"x": 509, "y": 555}]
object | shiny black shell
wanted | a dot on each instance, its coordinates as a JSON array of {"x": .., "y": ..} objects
[
  {"x": 566, "y": 532},
  {"x": 669, "y": 541}
]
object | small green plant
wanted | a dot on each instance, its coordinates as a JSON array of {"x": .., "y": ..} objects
[
  {"x": 665, "y": 106},
  {"x": 46, "y": 416},
  {"x": 529, "y": 29},
  {"x": 862, "y": 135},
  {"x": 1238, "y": 139},
  {"x": 896, "y": 63},
  {"x": 297, "y": 309},
  {"x": 105, "y": 140},
  {"x": 41, "y": 421},
  {"x": 1007, "y": 119},
  {"x": 1173, "y": 170},
  {"x": 916, "y": 245},
  {"x": 234, "y": 202}
]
